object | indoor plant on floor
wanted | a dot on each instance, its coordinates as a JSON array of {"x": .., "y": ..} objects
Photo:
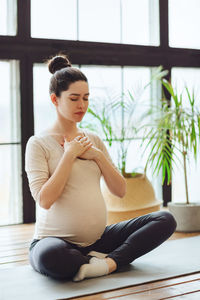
[
  {"x": 176, "y": 129},
  {"x": 105, "y": 119}
]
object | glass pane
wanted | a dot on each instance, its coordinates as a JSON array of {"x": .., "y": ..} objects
[
  {"x": 10, "y": 155},
  {"x": 140, "y": 22},
  {"x": 105, "y": 88},
  {"x": 44, "y": 110},
  {"x": 10, "y": 184},
  {"x": 9, "y": 102},
  {"x": 8, "y": 17},
  {"x": 104, "y": 81},
  {"x": 96, "y": 23},
  {"x": 191, "y": 77},
  {"x": 135, "y": 83},
  {"x": 135, "y": 80},
  {"x": 184, "y": 23},
  {"x": 54, "y": 19}
]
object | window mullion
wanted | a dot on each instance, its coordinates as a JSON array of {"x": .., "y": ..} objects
[
  {"x": 24, "y": 19},
  {"x": 164, "y": 27}
]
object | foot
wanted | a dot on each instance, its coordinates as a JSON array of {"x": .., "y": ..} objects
[
  {"x": 97, "y": 267},
  {"x": 112, "y": 266}
]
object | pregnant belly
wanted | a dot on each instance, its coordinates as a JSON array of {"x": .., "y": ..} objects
[
  {"x": 80, "y": 224},
  {"x": 86, "y": 226}
]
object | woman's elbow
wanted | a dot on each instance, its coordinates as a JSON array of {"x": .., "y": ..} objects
[
  {"x": 43, "y": 203},
  {"x": 122, "y": 191}
]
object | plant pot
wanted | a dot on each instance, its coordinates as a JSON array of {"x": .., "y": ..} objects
[
  {"x": 187, "y": 216},
  {"x": 139, "y": 200}
]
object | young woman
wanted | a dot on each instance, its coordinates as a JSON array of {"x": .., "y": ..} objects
[{"x": 64, "y": 165}]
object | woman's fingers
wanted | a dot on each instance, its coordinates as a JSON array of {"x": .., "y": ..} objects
[
  {"x": 87, "y": 143},
  {"x": 78, "y": 138},
  {"x": 83, "y": 139},
  {"x": 67, "y": 139},
  {"x": 90, "y": 145}
]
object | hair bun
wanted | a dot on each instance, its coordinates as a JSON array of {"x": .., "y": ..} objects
[{"x": 58, "y": 62}]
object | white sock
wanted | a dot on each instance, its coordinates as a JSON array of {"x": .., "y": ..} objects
[
  {"x": 97, "y": 254},
  {"x": 95, "y": 260},
  {"x": 97, "y": 267}
]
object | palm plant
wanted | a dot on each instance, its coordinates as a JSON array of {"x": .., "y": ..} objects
[{"x": 175, "y": 129}]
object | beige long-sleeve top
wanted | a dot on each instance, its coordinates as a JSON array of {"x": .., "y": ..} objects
[{"x": 79, "y": 215}]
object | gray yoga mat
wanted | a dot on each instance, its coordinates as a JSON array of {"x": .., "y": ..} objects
[{"x": 171, "y": 259}]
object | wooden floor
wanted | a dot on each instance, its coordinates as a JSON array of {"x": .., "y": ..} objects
[{"x": 15, "y": 240}]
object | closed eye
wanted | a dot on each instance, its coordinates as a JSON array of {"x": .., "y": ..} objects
[{"x": 76, "y": 99}]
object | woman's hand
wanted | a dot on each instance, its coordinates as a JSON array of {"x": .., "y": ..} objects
[
  {"x": 91, "y": 154},
  {"x": 78, "y": 145}
]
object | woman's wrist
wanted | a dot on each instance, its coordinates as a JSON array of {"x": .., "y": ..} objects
[
  {"x": 98, "y": 155},
  {"x": 70, "y": 154}
]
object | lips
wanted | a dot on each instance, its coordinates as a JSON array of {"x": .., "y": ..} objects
[{"x": 79, "y": 113}]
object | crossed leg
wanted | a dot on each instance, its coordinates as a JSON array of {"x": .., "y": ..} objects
[{"x": 123, "y": 242}]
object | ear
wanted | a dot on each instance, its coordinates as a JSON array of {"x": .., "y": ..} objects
[{"x": 54, "y": 99}]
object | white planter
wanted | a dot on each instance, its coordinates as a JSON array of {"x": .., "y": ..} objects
[{"x": 187, "y": 216}]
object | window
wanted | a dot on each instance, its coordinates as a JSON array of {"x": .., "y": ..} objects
[
  {"x": 109, "y": 31},
  {"x": 99, "y": 20},
  {"x": 184, "y": 23},
  {"x": 8, "y": 17},
  {"x": 190, "y": 77},
  {"x": 132, "y": 21},
  {"x": 60, "y": 19},
  {"x": 10, "y": 147},
  {"x": 140, "y": 22}
]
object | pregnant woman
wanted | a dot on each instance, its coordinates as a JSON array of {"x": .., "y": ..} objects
[{"x": 64, "y": 165}]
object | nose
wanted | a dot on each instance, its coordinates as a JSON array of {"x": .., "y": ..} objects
[{"x": 81, "y": 103}]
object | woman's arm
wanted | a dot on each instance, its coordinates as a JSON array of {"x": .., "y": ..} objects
[
  {"x": 54, "y": 186},
  {"x": 46, "y": 189},
  {"x": 114, "y": 180}
]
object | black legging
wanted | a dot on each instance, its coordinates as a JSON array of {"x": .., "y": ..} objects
[{"x": 123, "y": 242}]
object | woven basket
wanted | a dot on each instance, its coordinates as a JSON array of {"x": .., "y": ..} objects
[{"x": 140, "y": 199}]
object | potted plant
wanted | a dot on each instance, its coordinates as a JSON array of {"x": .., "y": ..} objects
[
  {"x": 105, "y": 119},
  {"x": 176, "y": 130}
]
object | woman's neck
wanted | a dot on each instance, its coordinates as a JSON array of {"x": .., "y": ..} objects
[{"x": 67, "y": 128}]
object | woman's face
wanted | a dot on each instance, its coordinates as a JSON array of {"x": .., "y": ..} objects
[{"x": 73, "y": 103}]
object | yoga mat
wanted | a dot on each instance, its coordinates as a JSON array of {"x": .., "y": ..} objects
[{"x": 171, "y": 259}]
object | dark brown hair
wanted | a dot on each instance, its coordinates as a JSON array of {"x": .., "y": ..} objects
[{"x": 63, "y": 74}]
